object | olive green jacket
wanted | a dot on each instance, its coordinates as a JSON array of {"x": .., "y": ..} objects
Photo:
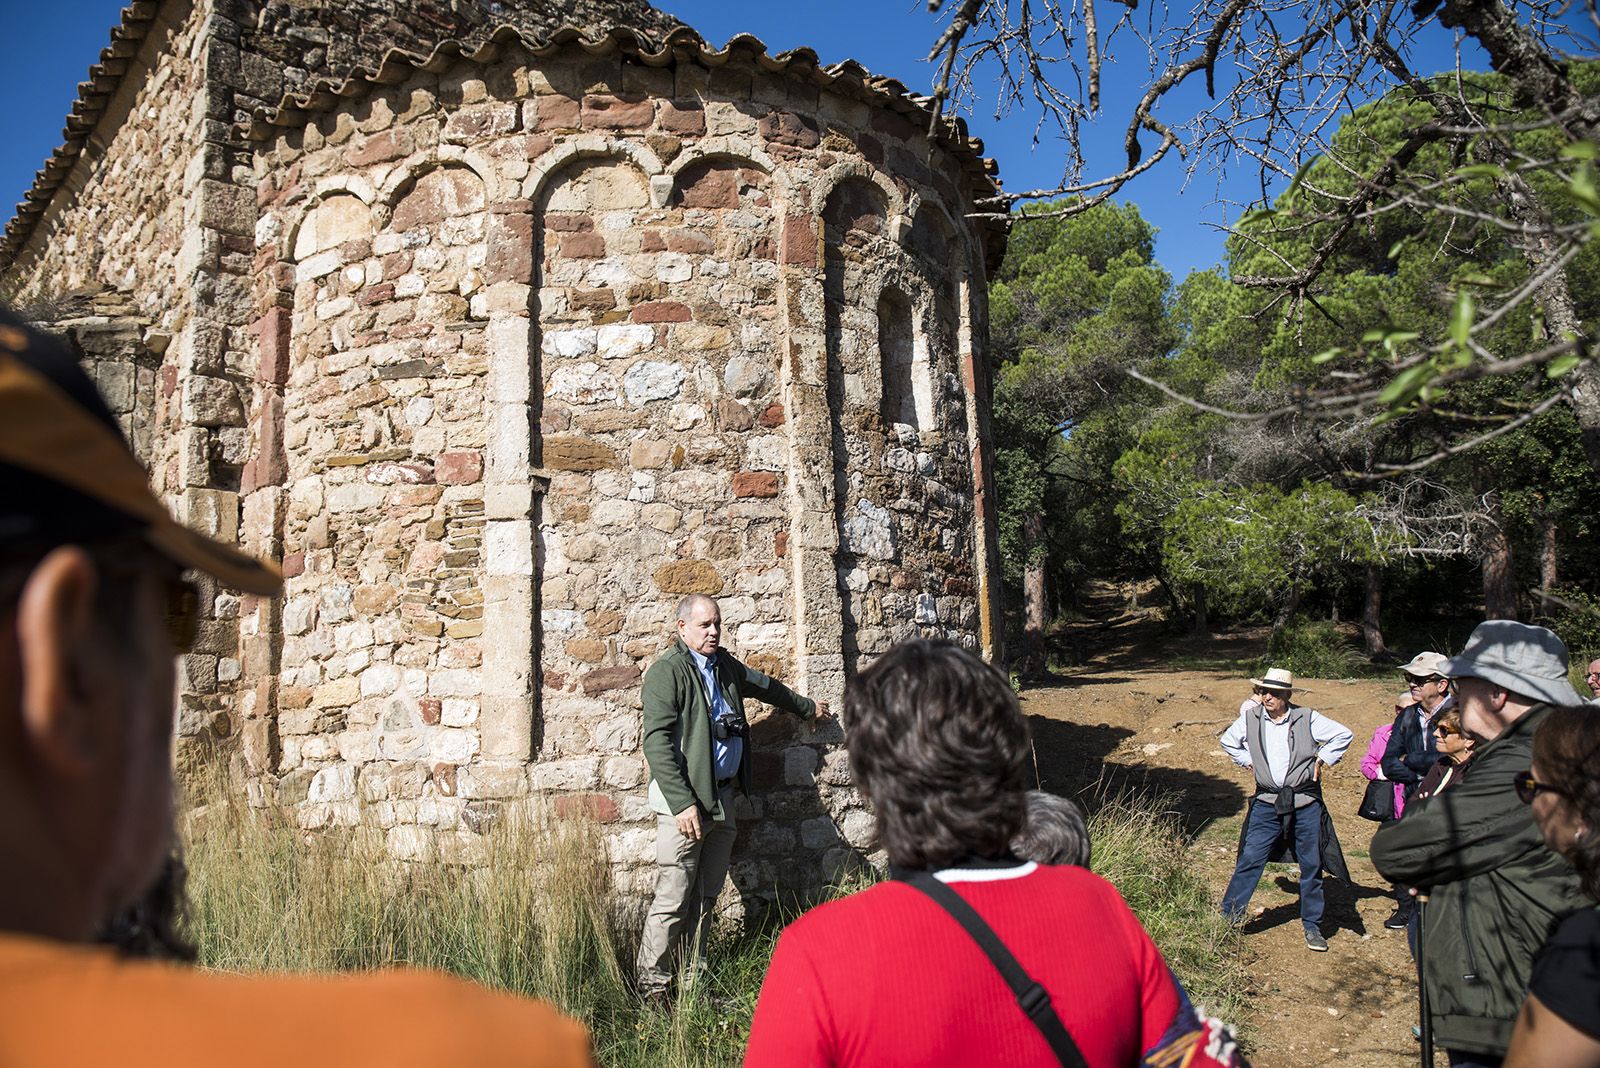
[
  {"x": 1496, "y": 891},
  {"x": 677, "y": 726}
]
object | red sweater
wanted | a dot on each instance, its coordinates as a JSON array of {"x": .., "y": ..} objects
[{"x": 886, "y": 977}]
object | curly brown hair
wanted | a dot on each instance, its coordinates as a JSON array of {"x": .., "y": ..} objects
[
  {"x": 1567, "y": 748},
  {"x": 940, "y": 746}
]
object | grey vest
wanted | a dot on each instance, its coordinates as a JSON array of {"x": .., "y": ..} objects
[{"x": 1302, "y": 753}]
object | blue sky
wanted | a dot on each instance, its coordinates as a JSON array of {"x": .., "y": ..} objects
[{"x": 50, "y": 47}]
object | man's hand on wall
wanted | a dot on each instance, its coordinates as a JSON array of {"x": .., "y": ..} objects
[
  {"x": 822, "y": 712},
  {"x": 689, "y": 823}
]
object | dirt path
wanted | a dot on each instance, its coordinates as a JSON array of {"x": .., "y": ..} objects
[{"x": 1127, "y": 714}]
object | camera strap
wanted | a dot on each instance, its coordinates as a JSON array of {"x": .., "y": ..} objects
[{"x": 1032, "y": 999}]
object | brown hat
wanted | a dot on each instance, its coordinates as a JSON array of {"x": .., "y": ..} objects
[{"x": 67, "y": 474}]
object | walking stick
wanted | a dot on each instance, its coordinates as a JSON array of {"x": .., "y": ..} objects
[{"x": 1422, "y": 982}]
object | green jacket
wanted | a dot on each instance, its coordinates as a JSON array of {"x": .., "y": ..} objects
[
  {"x": 1496, "y": 891},
  {"x": 677, "y": 726}
]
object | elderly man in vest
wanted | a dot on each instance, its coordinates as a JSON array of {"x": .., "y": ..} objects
[{"x": 1285, "y": 744}]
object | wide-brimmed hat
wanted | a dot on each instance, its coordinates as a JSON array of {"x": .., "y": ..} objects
[
  {"x": 1275, "y": 679},
  {"x": 1528, "y": 661},
  {"x": 1425, "y": 664},
  {"x": 68, "y": 476}
]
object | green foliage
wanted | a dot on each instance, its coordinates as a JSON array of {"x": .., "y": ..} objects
[
  {"x": 1315, "y": 649},
  {"x": 1577, "y": 621},
  {"x": 1257, "y": 548}
]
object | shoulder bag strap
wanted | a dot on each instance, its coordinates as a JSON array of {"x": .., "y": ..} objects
[{"x": 1032, "y": 998}]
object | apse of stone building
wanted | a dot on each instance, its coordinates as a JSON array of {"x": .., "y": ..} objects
[{"x": 504, "y": 326}]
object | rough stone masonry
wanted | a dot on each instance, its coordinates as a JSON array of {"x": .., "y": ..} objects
[{"x": 503, "y": 343}]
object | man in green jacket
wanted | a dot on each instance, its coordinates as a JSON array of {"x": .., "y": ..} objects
[
  {"x": 1496, "y": 890},
  {"x": 696, "y": 740}
]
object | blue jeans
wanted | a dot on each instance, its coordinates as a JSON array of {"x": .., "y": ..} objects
[{"x": 1261, "y": 828}]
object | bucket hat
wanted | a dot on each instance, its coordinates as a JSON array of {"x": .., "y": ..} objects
[
  {"x": 1527, "y": 660},
  {"x": 67, "y": 474}
]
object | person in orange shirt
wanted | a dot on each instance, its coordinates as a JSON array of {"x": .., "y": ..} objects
[{"x": 93, "y": 608}]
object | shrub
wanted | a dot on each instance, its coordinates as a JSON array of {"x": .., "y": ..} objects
[
  {"x": 1140, "y": 848},
  {"x": 1314, "y": 648}
]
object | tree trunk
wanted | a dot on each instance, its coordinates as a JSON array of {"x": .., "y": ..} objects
[
  {"x": 1371, "y": 607},
  {"x": 1290, "y": 606},
  {"x": 1035, "y": 606},
  {"x": 1547, "y": 568},
  {"x": 1202, "y": 625},
  {"x": 1499, "y": 579}
]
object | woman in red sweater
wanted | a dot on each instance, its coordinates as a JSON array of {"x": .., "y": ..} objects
[{"x": 888, "y": 977}]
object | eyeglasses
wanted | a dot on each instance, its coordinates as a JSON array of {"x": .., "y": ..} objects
[
  {"x": 1447, "y": 731},
  {"x": 1528, "y": 787},
  {"x": 1262, "y": 691},
  {"x": 1421, "y": 680}
]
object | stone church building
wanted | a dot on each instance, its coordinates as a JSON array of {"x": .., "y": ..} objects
[{"x": 503, "y": 326}]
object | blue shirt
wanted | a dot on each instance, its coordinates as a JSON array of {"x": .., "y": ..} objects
[{"x": 725, "y": 753}]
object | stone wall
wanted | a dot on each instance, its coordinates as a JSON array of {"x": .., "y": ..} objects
[
  {"x": 549, "y": 340},
  {"x": 502, "y": 354}
]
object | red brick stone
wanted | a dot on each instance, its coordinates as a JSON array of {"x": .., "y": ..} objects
[
  {"x": 568, "y": 222},
  {"x": 444, "y": 779},
  {"x": 662, "y": 311},
  {"x": 431, "y": 708},
  {"x": 771, "y": 416},
  {"x": 556, "y": 113},
  {"x": 685, "y": 117},
  {"x": 711, "y": 187},
  {"x": 606, "y": 112},
  {"x": 554, "y": 680},
  {"x": 396, "y": 264},
  {"x": 597, "y": 807},
  {"x": 780, "y": 544},
  {"x": 650, "y": 241},
  {"x": 509, "y": 256},
  {"x": 691, "y": 242},
  {"x": 958, "y": 585},
  {"x": 799, "y": 241},
  {"x": 755, "y": 484},
  {"x": 612, "y": 678},
  {"x": 583, "y": 246},
  {"x": 271, "y": 464},
  {"x": 537, "y": 145},
  {"x": 458, "y": 468},
  {"x": 272, "y": 343},
  {"x": 378, "y": 294},
  {"x": 294, "y": 565},
  {"x": 786, "y": 128},
  {"x": 379, "y": 148}
]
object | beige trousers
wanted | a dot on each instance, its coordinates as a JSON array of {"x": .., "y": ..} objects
[{"x": 689, "y": 876}]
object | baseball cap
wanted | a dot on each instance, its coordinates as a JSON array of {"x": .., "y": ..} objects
[
  {"x": 1526, "y": 660},
  {"x": 1424, "y": 664},
  {"x": 67, "y": 474}
]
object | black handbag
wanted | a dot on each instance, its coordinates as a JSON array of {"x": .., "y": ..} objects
[
  {"x": 1032, "y": 998},
  {"x": 1378, "y": 802}
]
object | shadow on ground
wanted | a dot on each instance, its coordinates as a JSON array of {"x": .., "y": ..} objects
[{"x": 1073, "y": 762}]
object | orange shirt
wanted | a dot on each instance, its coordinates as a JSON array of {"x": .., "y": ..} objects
[{"x": 69, "y": 1005}]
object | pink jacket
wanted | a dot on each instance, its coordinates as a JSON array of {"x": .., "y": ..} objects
[{"x": 1372, "y": 764}]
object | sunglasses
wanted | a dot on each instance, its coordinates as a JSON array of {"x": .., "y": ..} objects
[
  {"x": 1421, "y": 680},
  {"x": 1446, "y": 731},
  {"x": 1261, "y": 691},
  {"x": 1528, "y": 787}
]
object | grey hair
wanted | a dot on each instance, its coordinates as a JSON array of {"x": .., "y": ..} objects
[
  {"x": 1054, "y": 832},
  {"x": 690, "y": 602}
]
